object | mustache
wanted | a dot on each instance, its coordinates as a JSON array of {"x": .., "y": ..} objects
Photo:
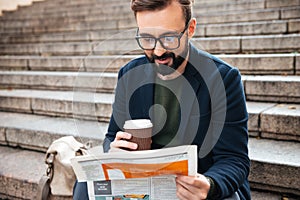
[{"x": 164, "y": 56}]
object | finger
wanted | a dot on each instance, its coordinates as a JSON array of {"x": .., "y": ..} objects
[
  {"x": 124, "y": 144},
  {"x": 120, "y": 142},
  {"x": 189, "y": 181},
  {"x": 181, "y": 192},
  {"x": 194, "y": 185},
  {"x": 189, "y": 187},
  {"x": 197, "y": 181},
  {"x": 184, "y": 193},
  {"x": 123, "y": 135}
]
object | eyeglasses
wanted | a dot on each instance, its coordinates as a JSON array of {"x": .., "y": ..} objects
[{"x": 168, "y": 41}]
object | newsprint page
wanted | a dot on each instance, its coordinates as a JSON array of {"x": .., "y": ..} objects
[{"x": 135, "y": 175}]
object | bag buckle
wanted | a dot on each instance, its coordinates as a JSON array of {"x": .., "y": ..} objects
[{"x": 49, "y": 161}]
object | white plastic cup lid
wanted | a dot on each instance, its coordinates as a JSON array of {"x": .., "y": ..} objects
[{"x": 137, "y": 124}]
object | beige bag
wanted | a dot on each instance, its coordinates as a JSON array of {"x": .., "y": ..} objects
[{"x": 60, "y": 177}]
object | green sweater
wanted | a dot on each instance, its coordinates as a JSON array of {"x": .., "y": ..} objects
[{"x": 167, "y": 115}]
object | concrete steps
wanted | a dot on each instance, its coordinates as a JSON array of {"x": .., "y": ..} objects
[
  {"x": 268, "y": 120},
  {"x": 84, "y": 105},
  {"x": 62, "y": 63},
  {"x": 272, "y": 88},
  {"x": 250, "y": 15},
  {"x": 257, "y": 88},
  {"x": 261, "y": 195},
  {"x": 250, "y": 44},
  {"x": 69, "y": 27},
  {"x": 76, "y": 3},
  {"x": 252, "y": 28},
  {"x": 20, "y": 182},
  {"x": 263, "y": 10},
  {"x": 227, "y": 6},
  {"x": 251, "y": 64},
  {"x": 121, "y": 6},
  {"x": 274, "y": 166},
  {"x": 274, "y": 121},
  {"x": 83, "y": 81},
  {"x": 234, "y": 44},
  {"x": 97, "y": 8},
  {"x": 46, "y": 7},
  {"x": 65, "y": 34},
  {"x": 210, "y": 18},
  {"x": 99, "y": 21},
  {"x": 232, "y": 6},
  {"x": 263, "y": 64},
  {"x": 77, "y": 36},
  {"x": 36, "y": 132},
  {"x": 46, "y": 22}
]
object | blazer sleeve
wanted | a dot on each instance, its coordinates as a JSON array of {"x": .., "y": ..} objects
[
  {"x": 118, "y": 114},
  {"x": 231, "y": 163}
]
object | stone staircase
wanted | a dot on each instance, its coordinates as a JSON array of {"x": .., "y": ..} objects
[{"x": 58, "y": 69}]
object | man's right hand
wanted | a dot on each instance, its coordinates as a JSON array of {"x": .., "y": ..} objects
[{"x": 120, "y": 143}]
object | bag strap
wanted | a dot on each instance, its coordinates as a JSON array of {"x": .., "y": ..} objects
[{"x": 43, "y": 191}]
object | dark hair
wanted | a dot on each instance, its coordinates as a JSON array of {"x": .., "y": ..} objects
[{"x": 151, "y": 5}]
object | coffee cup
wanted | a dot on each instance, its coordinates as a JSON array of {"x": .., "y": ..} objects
[{"x": 141, "y": 131}]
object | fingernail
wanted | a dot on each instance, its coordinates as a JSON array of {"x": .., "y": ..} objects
[
  {"x": 135, "y": 146},
  {"x": 128, "y": 135}
]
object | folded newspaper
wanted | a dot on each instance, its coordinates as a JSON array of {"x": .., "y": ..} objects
[{"x": 132, "y": 175}]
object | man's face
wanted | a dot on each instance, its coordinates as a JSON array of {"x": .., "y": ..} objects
[{"x": 167, "y": 22}]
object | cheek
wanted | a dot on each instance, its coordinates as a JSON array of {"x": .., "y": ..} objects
[
  {"x": 183, "y": 48},
  {"x": 178, "y": 52},
  {"x": 148, "y": 53}
]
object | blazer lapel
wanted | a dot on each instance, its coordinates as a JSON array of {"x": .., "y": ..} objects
[{"x": 188, "y": 99}]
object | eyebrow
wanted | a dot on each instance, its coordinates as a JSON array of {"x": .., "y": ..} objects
[{"x": 163, "y": 34}]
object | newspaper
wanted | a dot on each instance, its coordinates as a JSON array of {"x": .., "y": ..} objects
[{"x": 131, "y": 175}]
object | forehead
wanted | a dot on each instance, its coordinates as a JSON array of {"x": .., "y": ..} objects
[
  {"x": 156, "y": 32},
  {"x": 169, "y": 18}
]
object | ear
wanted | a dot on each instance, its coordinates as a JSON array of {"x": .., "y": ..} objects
[{"x": 192, "y": 27}]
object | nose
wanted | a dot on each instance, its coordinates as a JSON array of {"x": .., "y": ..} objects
[{"x": 159, "y": 50}]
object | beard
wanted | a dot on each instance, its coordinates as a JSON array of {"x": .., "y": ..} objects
[{"x": 177, "y": 61}]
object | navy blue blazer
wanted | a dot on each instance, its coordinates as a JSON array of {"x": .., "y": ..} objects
[{"x": 213, "y": 115}]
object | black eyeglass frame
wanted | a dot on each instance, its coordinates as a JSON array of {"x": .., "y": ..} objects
[{"x": 179, "y": 36}]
